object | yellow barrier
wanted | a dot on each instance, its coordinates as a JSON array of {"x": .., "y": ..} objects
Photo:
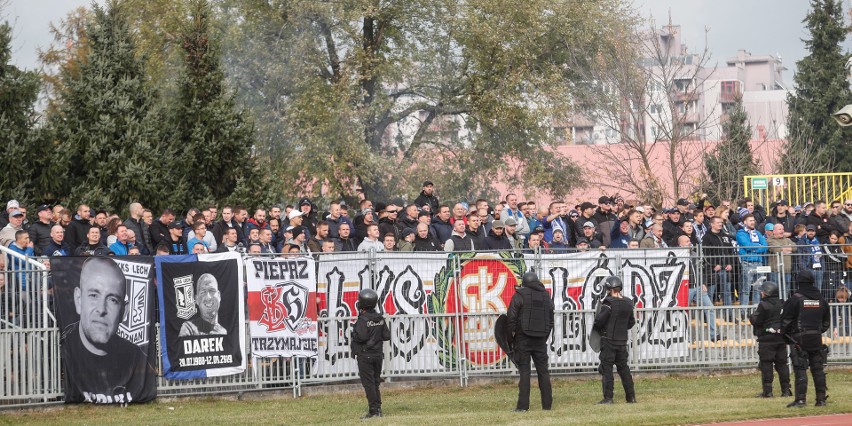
[{"x": 798, "y": 189}]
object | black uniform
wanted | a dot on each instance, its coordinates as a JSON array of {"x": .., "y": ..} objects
[
  {"x": 771, "y": 348},
  {"x": 369, "y": 332},
  {"x": 805, "y": 317},
  {"x": 531, "y": 320},
  {"x": 613, "y": 321}
]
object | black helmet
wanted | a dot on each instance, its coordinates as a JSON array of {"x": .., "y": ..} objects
[
  {"x": 612, "y": 283},
  {"x": 367, "y": 299},
  {"x": 529, "y": 278},
  {"x": 769, "y": 288}
]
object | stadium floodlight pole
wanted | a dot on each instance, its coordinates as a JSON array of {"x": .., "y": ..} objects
[{"x": 844, "y": 116}]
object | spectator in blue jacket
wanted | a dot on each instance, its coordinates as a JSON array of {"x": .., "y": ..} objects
[{"x": 752, "y": 251}]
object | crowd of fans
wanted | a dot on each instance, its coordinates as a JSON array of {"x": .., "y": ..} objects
[{"x": 735, "y": 239}]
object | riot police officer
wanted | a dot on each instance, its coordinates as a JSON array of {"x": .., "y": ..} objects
[
  {"x": 530, "y": 318},
  {"x": 771, "y": 349},
  {"x": 368, "y": 335},
  {"x": 803, "y": 320},
  {"x": 613, "y": 320}
]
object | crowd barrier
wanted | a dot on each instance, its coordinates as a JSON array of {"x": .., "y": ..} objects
[{"x": 441, "y": 310}]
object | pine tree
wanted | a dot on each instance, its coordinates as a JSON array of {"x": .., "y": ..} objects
[
  {"x": 110, "y": 145},
  {"x": 732, "y": 159},
  {"x": 21, "y": 157},
  {"x": 822, "y": 87},
  {"x": 215, "y": 137}
]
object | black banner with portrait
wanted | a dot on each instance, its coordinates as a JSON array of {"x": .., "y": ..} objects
[
  {"x": 202, "y": 319},
  {"x": 105, "y": 309}
]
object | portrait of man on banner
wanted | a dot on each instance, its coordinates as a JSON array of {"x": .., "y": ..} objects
[{"x": 102, "y": 364}]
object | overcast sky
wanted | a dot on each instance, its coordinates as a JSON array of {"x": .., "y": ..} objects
[{"x": 758, "y": 26}]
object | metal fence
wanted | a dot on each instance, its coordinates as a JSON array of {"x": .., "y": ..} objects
[{"x": 711, "y": 332}]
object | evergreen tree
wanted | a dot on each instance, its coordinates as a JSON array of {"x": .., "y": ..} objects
[
  {"x": 822, "y": 88},
  {"x": 107, "y": 126},
  {"x": 22, "y": 159},
  {"x": 732, "y": 158},
  {"x": 214, "y": 137}
]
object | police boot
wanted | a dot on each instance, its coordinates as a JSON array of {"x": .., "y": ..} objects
[
  {"x": 631, "y": 399},
  {"x": 786, "y": 392},
  {"x": 820, "y": 400},
  {"x": 797, "y": 403},
  {"x": 765, "y": 394},
  {"x": 605, "y": 401}
]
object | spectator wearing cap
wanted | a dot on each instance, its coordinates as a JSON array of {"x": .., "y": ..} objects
[
  {"x": 840, "y": 222},
  {"x": 672, "y": 226},
  {"x": 40, "y": 230},
  {"x": 558, "y": 244},
  {"x": 4, "y": 216},
  {"x": 309, "y": 215},
  {"x": 605, "y": 218},
  {"x": 16, "y": 223},
  {"x": 406, "y": 243},
  {"x": 299, "y": 239},
  {"x": 810, "y": 254},
  {"x": 819, "y": 220},
  {"x": 682, "y": 205},
  {"x": 512, "y": 234},
  {"x": 497, "y": 239},
  {"x": 514, "y": 211},
  {"x": 752, "y": 251},
  {"x": 368, "y": 217},
  {"x": 780, "y": 213},
  {"x": 175, "y": 239},
  {"x": 587, "y": 211},
  {"x": 592, "y": 235},
  {"x": 424, "y": 240},
  {"x": 427, "y": 197}
]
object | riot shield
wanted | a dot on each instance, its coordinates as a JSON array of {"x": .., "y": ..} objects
[{"x": 502, "y": 335}]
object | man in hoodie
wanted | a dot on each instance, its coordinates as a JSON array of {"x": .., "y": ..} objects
[
  {"x": 427, "y": 197},
  {"x": 805, "y": 317},
  {"x": 531, "y": 318}
]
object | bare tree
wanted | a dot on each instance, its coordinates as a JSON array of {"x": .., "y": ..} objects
[{"x": 647, "y": 95}]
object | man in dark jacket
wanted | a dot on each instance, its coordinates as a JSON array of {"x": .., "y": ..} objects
[
  {"x": 227, "y": 222},
  {"x": 41, "y": 229},
  {"x": 423, "y": 240},
  {"x": 75, "y": 235},
  {"x": 368, "y": 335},
  {"x": 613, "y": 321},
  {"x": 344, "y": 241},
  {"x": 427, "y": 197},
  {"x": 771, "y": 349},
  {"x": 781, "y": 215},
  {"x": 475, "y": 230},
  {"x": 159, "y": 229},
  {"x": 441, "y": 225},
  {"x": 720, "y": 259},
  {"x": 530, "y": 318},
  {"x": 819, "y": 219},
  {"x": 804, "y": 318},
  {"x": 496, "y": 239}
]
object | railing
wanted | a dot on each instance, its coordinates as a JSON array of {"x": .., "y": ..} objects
[
  {"x": 798, "y": 189},
  {"x": 705, "y": 332}
]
